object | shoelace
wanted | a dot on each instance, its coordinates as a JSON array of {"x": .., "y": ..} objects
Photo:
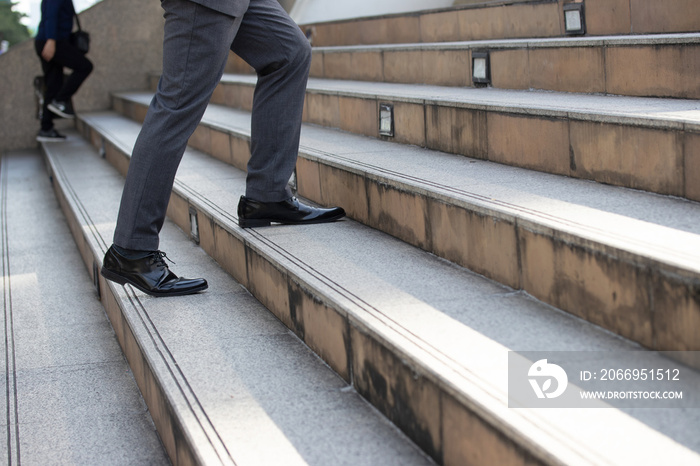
[{"x": 158, "y": 256}]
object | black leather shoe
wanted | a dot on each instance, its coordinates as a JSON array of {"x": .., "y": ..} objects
[
  {"x": 149, "y": 274},
  {"x": 253, "y": 213}
]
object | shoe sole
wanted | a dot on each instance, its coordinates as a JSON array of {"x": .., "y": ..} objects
[
  {"x": 116, "y": 278},
  {"x": 266, "y": 222},
  {"x": 60, "y": 113}
]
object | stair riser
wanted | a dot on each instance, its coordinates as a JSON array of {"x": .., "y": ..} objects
[
  {"x": 180, "y": 447},
  {"x": 647, "y": 302},
  {"x": 647, "y": 155},
  {"x": 634, "y": 70},
  {"x": 429, "y": 410},
  {"x": 237, "y": 65},
  {"x": 540, "y": 19}
]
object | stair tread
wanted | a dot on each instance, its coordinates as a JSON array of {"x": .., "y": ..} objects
[
  {"x": 582, "y": 41},
  {"x": 643, "y": 111},
  {"x": 660, "y": 228},
  {"x": 250, "y": 387},
  {"x": 439, "y": 316},
  {"x": 66, "y": 380}
]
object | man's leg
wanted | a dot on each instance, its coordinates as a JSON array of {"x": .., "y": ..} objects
[
  {"x": 195, "y": 49},
  {"x": 272, "y": 43}
]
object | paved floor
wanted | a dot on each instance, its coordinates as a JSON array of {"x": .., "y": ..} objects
[{"x": 70, "y": 395}]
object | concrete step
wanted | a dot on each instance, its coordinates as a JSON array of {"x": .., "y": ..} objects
[
  {"x": 234, "y": 65},
  {"x": 641, "y": 143},
  {"x": 423, "y": 340},
  {"x": 641, "y": 65},
  {"x": 509, "y": 20},
  {"x": 623, "y": 259},
  {"x": 225, "y": 382},
  {"x": 68, "y": 394}
]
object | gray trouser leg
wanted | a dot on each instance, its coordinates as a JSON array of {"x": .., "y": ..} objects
[
  {"x": 275, "y": 47},
  {"x": 195, "y": 49}
]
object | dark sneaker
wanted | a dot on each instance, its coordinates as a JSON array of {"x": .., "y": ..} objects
[
  {"x": 62, "y": 109},
  {"x": 50, "y": 135}
]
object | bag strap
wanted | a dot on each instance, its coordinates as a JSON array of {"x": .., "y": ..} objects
[{"x": 77, "y": 20}]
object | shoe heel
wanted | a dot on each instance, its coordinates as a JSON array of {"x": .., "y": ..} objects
[
  {"x": 111, "y": 276},
  {"x": 253, "y": 222}
]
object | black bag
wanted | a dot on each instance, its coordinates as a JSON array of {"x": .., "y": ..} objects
[{"x": 80, "y": 39}]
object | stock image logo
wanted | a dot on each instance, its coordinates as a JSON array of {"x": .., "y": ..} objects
[
  {"x": 541, "y": 375},
  {"x": 601, "y": 379}
]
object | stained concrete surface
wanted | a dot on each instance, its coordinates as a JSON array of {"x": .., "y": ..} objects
[{"x": 71, "y": 397}]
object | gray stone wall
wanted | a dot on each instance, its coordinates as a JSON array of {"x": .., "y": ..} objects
[{"x": 126, "y": 46}]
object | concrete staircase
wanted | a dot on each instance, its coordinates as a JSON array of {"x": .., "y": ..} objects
[
  {"x": 69, "y": 395},
  {"x": 552, "y": 210}
]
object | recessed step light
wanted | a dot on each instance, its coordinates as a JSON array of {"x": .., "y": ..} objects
[
  {"x": 386, "y": 120},
  {"x": 481, "y": 74},
  {"x": 573, "y": 19},
  {"x": 194, "y": 225}
]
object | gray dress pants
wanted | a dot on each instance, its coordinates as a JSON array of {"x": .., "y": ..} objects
[{"x": 195, "y": 48}]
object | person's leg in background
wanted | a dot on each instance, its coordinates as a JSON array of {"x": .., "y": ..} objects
[
  {"x": 53, "y": 81},
  {"x": 67, "y": 56}
]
